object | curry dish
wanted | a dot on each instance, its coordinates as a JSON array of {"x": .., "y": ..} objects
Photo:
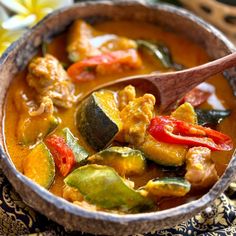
[{"x": 115, "y": 151}]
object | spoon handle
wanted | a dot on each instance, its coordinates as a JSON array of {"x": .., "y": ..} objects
[{"x": 174, "y": 85}]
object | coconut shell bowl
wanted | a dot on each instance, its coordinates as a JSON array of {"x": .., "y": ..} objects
[{"x": 18, "y": 55}]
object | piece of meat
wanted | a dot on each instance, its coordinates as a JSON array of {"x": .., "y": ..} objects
[
  {"x": 200, "y": 168},
  {"x": 136, "y": 117},
  {"x": 47, "y": 76},
  {"x": 125, "y": 96},
  {"x": 45, "y": 107}
]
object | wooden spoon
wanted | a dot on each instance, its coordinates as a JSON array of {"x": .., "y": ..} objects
[{"x": 170, "y": 87}]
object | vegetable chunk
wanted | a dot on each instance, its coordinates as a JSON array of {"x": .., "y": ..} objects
[
  {"x": 79, "y": 152},
  {"x": 32, "y": 129},
  {"x": 98, "y": 119},
  {"x": 79, "y": 46},
  {"x": 104, "y": 64},
  {"x": 39, "y": 166},
  {"x": 84, "y": 42},
  {"x": 211, "y": 117},
  {"x": 163, "y": 153},
  {"x": 126, "y": 161},
  {"x": 170, "y": 130},
  {"x": 167, "y": 187},
  {"x": 63, "y": 156},
  {"x": 102, "y": 186},
  {"x": 185, "y": 112}
]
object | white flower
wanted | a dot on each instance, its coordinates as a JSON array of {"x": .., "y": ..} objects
[
  {"x": 6, "y": 37},
  {"x": 29, "y": 12}
]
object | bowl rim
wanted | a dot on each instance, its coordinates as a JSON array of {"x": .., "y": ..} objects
[{"x": 68, "y": 207}]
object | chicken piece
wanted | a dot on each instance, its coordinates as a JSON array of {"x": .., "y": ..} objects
[
  {"x": 47, "y": 76},
  {"x": 125, "y": 96},
  {"x": 200, "y": 168},
  {"x": 136, "y": 117},
  {"x": 79, "y": 46},
  {"x": 27, "y": 105},
  {"x": 46, "y": 107}
]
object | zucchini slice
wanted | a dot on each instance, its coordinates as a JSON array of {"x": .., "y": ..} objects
[
  {"x": 103, "y": 187},
  {"x": 126, "y": 161},
  {"x": 32, "y": 129},
  {"x": 98, "y": 119},
  {"x": 39, "y": 166},
  {"x": 167, "y": 187},
  {"x": 79, "y": 152},
  {"x": 163, "y": 153}
]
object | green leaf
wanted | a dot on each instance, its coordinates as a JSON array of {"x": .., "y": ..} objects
[
  {"x": 157, "y": 51},
  {"x": 211, "y": 117},
  {"x": 160, "y": 52}
]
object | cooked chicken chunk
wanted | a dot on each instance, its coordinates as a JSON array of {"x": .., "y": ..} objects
[
  {"x": 200, "y": 168},
  {"x": 46, "y": 107},
  {"x": 47, "y": 76},
  {"x": 136, "y": 117},
  {"x": 125, "y": 96}
]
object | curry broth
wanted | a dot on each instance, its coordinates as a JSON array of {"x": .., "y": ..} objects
[{"x": 183, "y": 51}]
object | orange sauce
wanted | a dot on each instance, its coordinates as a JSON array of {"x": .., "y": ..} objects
[{"x": 183, "y": 51}]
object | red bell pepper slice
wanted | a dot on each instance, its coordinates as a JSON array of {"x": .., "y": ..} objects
[
  {"x": 63, "y": 156},
  {"x": 170, "y": 130},
  {"x": 113, "y": 61}
]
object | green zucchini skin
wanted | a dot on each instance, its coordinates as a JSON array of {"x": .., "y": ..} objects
[
  {"x": 80, "y": 153},
  {"x": 33, "y": 129},
  {"x": 166, "y": 187},
  {"x": 103, "y": 187},
  {"x": 94, "y": 124},
  {"x": 126, "y": 161},
  {"x": 163, "y": 153}
]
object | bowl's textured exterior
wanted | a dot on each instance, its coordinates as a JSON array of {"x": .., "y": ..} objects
[{"x": 19, "y": 54}]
